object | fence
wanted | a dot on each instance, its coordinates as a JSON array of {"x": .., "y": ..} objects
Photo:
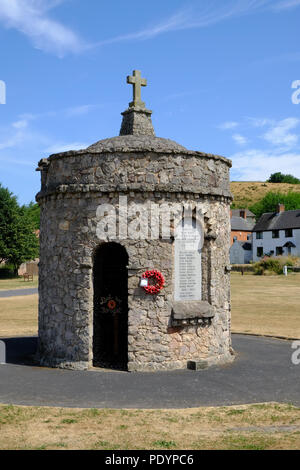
[
  {"x": 31, "y": 268},
  {"x": 242, "y": 268}
]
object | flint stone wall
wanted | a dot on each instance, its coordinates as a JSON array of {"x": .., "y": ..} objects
[{"x": 137, "y": 164}]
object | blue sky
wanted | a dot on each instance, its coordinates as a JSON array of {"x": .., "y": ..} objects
[{"x": 220, "y": 75}]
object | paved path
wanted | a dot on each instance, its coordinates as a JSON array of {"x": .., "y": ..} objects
[
  {"x": 18, "y": 292},
  {"x": 262, "y": 372}
]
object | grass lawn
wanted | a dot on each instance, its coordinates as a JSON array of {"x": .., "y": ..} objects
[
  {"x": 260, "y": 304},
  {"x": 267, "y": 305},
  {"x": 18, "y": 283},
  {"x": 18, "y": 316},
  {"x": 248, "y": 427}
]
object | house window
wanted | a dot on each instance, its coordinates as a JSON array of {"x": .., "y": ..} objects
[
  {"x": 279, "y": 250},
  {"x": 260, "y": 251},
  {"x": 275, "y": 234},
  {"x": 234, "y": 239},
  {"x": 248, "y": 237},
  {"x": 259, "y": 235},
  {"x": 289, "y": 233}
]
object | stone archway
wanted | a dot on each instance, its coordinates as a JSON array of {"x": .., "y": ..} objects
[{"x": 110, "y": 321}]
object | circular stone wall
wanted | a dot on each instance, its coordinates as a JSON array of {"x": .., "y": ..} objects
[{"x": 144, "y": 172}]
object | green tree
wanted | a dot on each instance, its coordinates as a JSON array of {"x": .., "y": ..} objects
[
  {"x": 33, "y": 212},
  {"x": 281, "y": 178},
  {"x": 269, "y": 203},
  {"x": 18, "y": 240}
]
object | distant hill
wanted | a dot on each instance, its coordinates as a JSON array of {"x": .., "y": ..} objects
[{"x": 247, "y": 193}]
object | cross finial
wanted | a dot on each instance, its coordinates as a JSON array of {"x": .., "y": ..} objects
[{"x": 137, "y": 81}]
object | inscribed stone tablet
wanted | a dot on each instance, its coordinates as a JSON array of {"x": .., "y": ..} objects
[{"x": 188, "y": 263}]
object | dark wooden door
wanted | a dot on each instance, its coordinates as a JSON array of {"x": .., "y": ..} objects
[{"x": 110, "y": 340}]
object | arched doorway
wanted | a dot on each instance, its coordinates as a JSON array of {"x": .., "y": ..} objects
[{"x": 110, "y": 278}]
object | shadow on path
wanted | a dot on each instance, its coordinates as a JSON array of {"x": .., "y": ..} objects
[
  {"x": 20, "y": 350},
  {"x": 262, "y": 372}
]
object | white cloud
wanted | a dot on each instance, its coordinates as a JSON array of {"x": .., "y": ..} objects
[
  {"x": 260, "y": 122},
  {"x": 71, "y": 112},
  {"x": 228, "y": 125},
  {"x": 282, "y": 152},
  {"x": 15, "y": 161},
  {"x": 258, "y": 165},
  {"x": 199, "y": 17},
  {"x": 30, "y": 18},
  {"x": 183, "y": 94},
  {"x": 240, "y": 139},
  {"x": 20, "y": 138},
  {"x": 204, "y": 15},
  {"x": 19, "y": 142},
  {"x": 11, "y": 141},
  {"x": 64, "y": 147},
  {"x": 21, "y": 124},
  {"x": 286, "y": 4},
  {"x": 79, "y": 110},
  {"x": 17, "y": 135},
  {"x": 279, "y": 134}
]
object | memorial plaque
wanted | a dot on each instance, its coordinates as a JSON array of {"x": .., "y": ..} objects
[{"x": 188, "y": 277}]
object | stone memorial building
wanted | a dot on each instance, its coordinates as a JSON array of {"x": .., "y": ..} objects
[{"x": 134, "y": 252}]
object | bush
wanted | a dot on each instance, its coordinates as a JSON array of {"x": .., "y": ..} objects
[
  {"x": 6, "y": 272},
  {"x": 267, "y": 264},
  {"x": 258, "y": 269},
  {"x": 269, "y": 202},
  {"x": 270, "y": 265},
  {"x": 281, "y": 178}
]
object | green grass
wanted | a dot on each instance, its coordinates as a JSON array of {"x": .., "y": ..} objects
[
  {"x": 18, "y": 283},
  {"x": 164, "y": 444},
  {"x": 243, "y": 427}
]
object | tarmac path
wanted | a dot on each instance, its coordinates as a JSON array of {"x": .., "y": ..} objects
[{"x": 262, "y": 372}]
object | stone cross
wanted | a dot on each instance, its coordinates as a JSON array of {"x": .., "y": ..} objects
[{"x": 137, "y": 81}]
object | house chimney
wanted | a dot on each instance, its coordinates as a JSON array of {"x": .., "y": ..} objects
[
  {"x": 280, "y": 208},
  {"x": 243, "y": 214}
]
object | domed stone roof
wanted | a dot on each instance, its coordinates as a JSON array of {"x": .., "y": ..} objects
[{"x": 131, "y": 143}]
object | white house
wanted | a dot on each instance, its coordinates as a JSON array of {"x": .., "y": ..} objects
[
  {"x": 277, "y": 233},
  {"x": 240, "y": 252}
]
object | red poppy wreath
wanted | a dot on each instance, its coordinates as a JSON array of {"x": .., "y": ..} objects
[{"x": 159, "y": 284}]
